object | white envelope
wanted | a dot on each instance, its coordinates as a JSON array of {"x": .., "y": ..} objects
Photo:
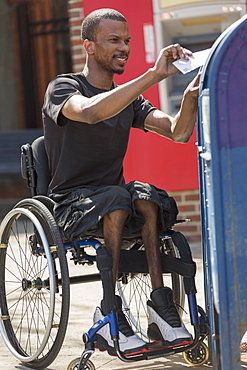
[{"x": 198, "y": 59}]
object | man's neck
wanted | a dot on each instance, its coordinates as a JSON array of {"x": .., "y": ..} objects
[{"x": 99, "y": 79}]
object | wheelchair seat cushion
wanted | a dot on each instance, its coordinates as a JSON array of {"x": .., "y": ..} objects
[{"x": 83, "y": 209}]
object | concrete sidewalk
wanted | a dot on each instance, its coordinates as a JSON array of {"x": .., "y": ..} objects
[{"x": 84, "y": 299}]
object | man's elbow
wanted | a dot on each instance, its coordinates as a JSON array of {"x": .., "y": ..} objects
[
  {"x": 181, "y": 138},
  {"x": 91, "y": 115}
]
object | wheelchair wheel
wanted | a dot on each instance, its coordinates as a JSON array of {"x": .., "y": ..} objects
[
  {"x": 135, "y": 289},
  {"x": 74, "y": 365},
  {"x": 34, "y": 284},
  {"x": 197, "y": 356}
]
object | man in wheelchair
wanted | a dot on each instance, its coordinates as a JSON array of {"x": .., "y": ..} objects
[{"x": 87, "y": 120}]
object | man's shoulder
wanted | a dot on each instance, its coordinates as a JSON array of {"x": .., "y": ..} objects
[
  {"x": 67, "y": 82},
  {"x": 77, "y": 77}
]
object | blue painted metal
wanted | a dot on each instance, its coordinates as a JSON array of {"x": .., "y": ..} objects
[
  {"x": 194, "y": 319},
  {"x": 110, "y": 319},
  {"x": 84, "y": 243},
  {"x": 222, "y": 146}
]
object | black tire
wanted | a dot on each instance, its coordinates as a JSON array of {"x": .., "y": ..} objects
[
  {"x": 135, "y": 289},
  {"x": 34, "y": 304}
]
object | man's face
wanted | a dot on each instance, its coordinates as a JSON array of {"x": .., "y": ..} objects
[{"x": 112, "y": 45}]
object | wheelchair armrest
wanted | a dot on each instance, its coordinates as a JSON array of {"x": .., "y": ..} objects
[{"x": 27, "y": 167}]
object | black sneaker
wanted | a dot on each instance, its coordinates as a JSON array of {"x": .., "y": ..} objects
[
  {"x": 164, "y": 323},
  {"x": 129, "y": 342}
]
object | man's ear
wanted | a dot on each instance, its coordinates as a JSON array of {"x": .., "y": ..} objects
[{"x": 89, "y": 46}]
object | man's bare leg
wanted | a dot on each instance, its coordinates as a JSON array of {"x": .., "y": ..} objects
[
  {"x": 164, "y": 322},
  {"x": 129, "y": 342},
  {"x": 150, "y": 239},
  {"x": 112, "y": 230}
]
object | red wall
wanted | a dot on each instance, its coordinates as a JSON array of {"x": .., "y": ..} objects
[{"x": 150, "y": 158}]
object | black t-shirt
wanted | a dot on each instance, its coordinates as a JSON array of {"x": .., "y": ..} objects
[{"x": 82, "y": 154}]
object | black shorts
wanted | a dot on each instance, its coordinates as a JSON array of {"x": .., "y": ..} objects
[{"x": 80, "y": 212}]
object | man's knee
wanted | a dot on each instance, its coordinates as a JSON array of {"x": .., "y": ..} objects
[
  {"x": 116, "y": 217},
  {"x": 120, "y": 194},
  {"x": 146, "y": 206},
  {"x": 120, "y": 200},
  {"x": 117, "y": 195}
]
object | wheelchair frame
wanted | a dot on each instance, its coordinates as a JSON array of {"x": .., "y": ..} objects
[{"x": 46, "y": 241}]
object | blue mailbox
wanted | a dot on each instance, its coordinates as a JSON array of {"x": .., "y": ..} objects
[{"x": 222, "y": 147}]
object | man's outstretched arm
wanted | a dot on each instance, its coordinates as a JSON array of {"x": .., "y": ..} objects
[
  {"x": 180, "y": 127},
  {"x": 108, "y": 104}
]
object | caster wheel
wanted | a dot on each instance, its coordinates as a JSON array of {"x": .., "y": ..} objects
[
  {"x": 74, "y": 365},
  {"x": 197, "y": 356}
]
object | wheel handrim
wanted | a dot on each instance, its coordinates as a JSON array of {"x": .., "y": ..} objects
[{"x": 31, "y": 294}]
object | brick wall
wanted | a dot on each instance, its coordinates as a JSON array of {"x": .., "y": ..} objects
[
  {"x": 188, "y": 203},
  {"x": 76, "y": 16}
]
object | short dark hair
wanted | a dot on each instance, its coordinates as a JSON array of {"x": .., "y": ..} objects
[{"x": 90, "y": 25}]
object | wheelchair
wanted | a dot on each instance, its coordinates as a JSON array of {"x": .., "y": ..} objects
[{"x": 35, "y": 281}]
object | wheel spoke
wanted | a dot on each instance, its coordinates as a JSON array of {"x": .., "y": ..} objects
[{"x": 32, "y": 314}]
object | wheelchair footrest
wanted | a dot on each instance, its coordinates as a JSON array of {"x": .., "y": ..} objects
[{"x": 155, "y": 350}]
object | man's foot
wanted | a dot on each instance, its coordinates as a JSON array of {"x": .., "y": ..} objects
[
  {"x": 129, "y": 342},
  {"x": 164, "y": 323}
]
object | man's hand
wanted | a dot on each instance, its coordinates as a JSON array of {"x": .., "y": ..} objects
[
  {"x": 192, "y": 90},
  {"x": 163, "y": 66}
]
